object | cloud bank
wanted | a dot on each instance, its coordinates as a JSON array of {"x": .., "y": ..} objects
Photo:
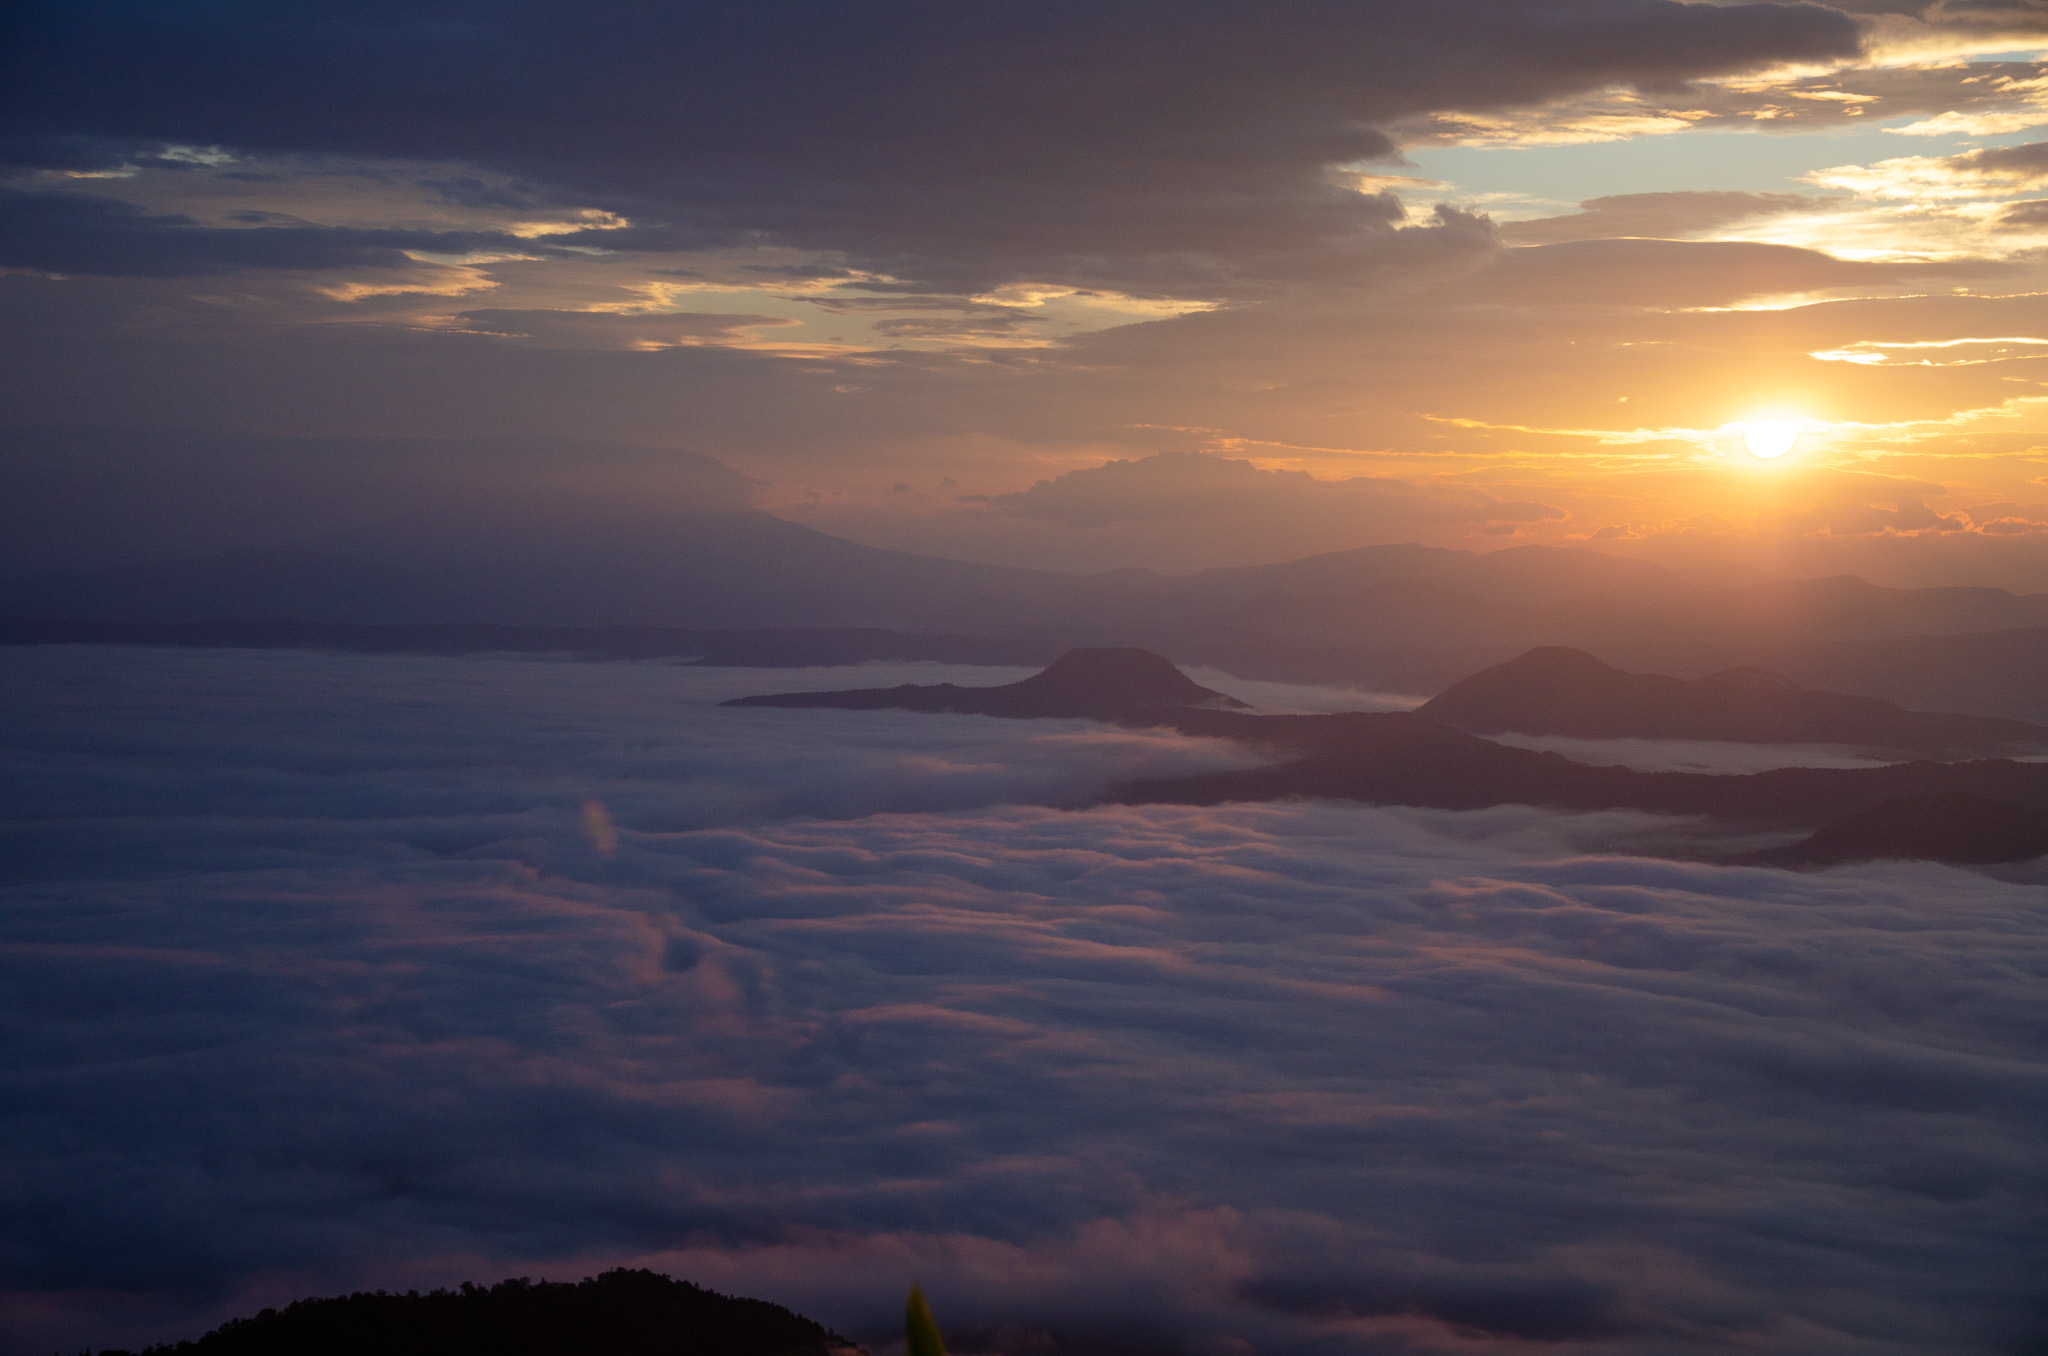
[
  {"x": 319, "y": 976},
  {"x": 1122, "y": 144}
]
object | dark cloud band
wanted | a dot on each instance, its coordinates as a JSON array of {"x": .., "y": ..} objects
[
  {"x": 946, "y": 144},
  {"x": 94, "y": 234}
]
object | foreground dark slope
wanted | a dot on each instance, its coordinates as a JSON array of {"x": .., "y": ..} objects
[
  {"x": 620, "y": 1313},
  {"x": 1552, "y": 690}
]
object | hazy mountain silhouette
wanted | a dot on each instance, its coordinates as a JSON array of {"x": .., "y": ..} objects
[
  {"x": 1986, "y": 673},
  {"x": 620, "y": 1313},
  {"x": 233, "y": 585},
  {"x": 1403, "y": 618},
  {"x": 1382, "y": 599},
  {"x": 724, "y": 569},
  {"x": 708, "y": 571},
  {"x": 1415, "y": 619},
  {"x": 1516, "y": 575},
  {"x": 1099, "y": 684},
  {"x": 1962, "y": 827},
  {"x": 789, "y": 648},
  {"x": 1551, "y": 690}
]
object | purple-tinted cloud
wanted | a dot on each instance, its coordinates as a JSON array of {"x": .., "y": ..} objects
[{"x": 316, "y": 978}]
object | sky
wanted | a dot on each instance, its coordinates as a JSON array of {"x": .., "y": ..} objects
[
  {"x": 1078, "y": 286},
  {"x": 325, "y": 972},
  {"x": 332, "y": 971}
]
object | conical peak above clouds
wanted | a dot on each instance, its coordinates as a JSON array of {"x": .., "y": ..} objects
[
  {"x": 1105, "y": 683},
  {"x": 1134, "y": 675}
]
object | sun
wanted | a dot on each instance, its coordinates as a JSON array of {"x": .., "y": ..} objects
[{"x": 1770, "y": 439}]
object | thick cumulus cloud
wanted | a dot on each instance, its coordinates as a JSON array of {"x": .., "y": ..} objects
[
  {"x": 321, "y": 972},
  {"x": 931, "y": 142}
]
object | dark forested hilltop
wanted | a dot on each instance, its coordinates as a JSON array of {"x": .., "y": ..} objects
[
  {"x": 1960, "y": 827},
  {"x": 620, "y": 1313},
  {"x": 1553, "y": 690},
  {"x": 1403, "y": 758}
]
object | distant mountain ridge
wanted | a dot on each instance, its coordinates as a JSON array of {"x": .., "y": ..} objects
[
  {"x": 1984, "y": 673},
  {"x": 754, "y": 570},
  {"x": 1411, "y": 758},
  {"x": 1403, "y": 758},
  {"x": 784, "y": 648},
  {"x": 1416, "y": 633},
  {"x": 1399, "y": 618},
  {"x": 732, "y": 570},
  {"x": 1516, "y": 575},
  {"x": 1552, "y": 690}
]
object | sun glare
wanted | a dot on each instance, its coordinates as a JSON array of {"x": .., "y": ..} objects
[{"x": 1770, "y": 439}]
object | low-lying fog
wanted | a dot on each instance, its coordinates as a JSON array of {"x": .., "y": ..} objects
[{"x": 328, "y": 971}]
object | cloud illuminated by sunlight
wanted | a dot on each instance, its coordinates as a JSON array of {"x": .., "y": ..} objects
[
  {"x": 452, "y": 280},
  {"x": 1617, "y": 122},
  {"x": 1716, "y": 441},
  {"x": 588, "y": 219},
  {"x": 1973, "y": 351},
  {"x": 1816, "y": 435},
  {"x": 1971, "y": 174}
]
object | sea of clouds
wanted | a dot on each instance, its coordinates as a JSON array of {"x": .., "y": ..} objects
[{"x": 331, "y": 971}]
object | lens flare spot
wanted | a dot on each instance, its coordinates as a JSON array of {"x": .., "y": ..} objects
[
  {"x": 1770, "y": 439},
  {"x": 599, "y": 829}
]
